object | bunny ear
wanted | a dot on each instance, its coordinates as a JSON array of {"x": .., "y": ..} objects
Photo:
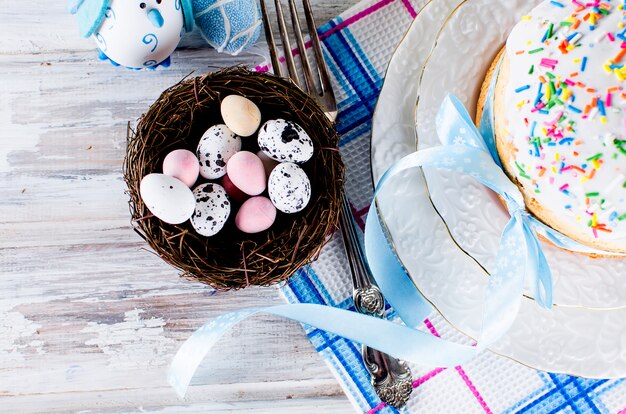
[{"x": 89, "y": 13}]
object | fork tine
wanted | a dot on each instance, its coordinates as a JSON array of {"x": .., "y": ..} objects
[
  {"x": 306, "y": 66},
  {"x": 284, "y": 35},
  {"x": 317, "y": 49},
  {"x": 269, "y": 37}
]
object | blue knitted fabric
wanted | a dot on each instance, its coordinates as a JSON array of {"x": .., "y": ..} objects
[{"x": 228, "y": 25}]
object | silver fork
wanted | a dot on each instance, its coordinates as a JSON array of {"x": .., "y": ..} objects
[{"x": 391, "y": 378}]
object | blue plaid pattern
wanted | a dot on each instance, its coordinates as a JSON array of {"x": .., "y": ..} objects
[
  {"x": 564, "y": 393},
  {"x": 351, "y": 47}
]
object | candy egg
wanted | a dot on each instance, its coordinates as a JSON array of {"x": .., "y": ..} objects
[
  {"x": 241, "y": 115},
  {"x": 215, "y": 148},
  {"x": 182, "y": 164},
  {"x": 256, "y": 215},
  {"x": 167, "y": 198},
  {"x": 268, "y": 163},
  {"x": 212, "y": 209},
  {"x": 285, "y": 141},
  {"x": 233, "y": 192},
  {"x": 246, "y": 171},
  {"x": 289, "y": 188}
]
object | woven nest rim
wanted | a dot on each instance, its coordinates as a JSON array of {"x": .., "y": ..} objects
[{"x": 231, "y": 259}]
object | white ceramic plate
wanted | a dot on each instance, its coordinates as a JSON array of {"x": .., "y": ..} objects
[
  {"x": 393, "y": 129},
  {"x": 571, "y": 340},
  {"x": 457, "y": 65}
]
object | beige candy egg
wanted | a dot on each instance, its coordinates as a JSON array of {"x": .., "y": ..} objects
[{"x": 241, "y": 115}]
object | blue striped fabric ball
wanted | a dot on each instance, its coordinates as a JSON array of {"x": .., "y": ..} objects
[{"x": 228, "y": 25}]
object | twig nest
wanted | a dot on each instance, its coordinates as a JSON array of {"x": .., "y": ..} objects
[{"x": 246, "y": 250}]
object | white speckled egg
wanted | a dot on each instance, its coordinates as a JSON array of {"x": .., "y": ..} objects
[
  {"x": 289, "y": 188},
  {"x": 212, "y": 209},
  {"x": 285, "y": 141},
  {"x": 241, "y": 115},
  {"x": 167, "y": 198},
  {"x": 215, "y": 148}
]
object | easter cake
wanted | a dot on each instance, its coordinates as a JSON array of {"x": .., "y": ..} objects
[{"x": 559, "y": 118}]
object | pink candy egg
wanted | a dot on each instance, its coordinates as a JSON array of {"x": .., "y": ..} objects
[
  {"x": 183, "y": 165},
  {"x": 256, "y": 215},
  {"x": 246, "y": 171},
  {"x": 232, "y": 190}
]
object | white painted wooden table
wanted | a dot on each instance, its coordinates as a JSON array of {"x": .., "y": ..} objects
[{"x": 89, "y": 320}]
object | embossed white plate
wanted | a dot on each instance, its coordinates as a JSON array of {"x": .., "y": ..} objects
[
  {"x": 571, "y": 340},
  {"x": 457, "y": 65}
]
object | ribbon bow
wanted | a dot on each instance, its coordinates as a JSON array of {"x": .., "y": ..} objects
[{"x": 467, "y": 150}]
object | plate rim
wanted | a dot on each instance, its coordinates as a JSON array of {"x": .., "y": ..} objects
[
  {"x": 434, "y": 204},
  {"x": 422, "y": 177}
]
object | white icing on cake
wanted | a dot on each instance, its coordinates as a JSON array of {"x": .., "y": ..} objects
[{"x": 570, "y": 156}]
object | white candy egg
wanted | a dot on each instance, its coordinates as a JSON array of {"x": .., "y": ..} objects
[
  {"x": 215, "y": 148},
  {"x": 241, "y": 115},
  {"x": 140, "y": 34},
  {"x": 289, "y": 188},
  {"x": 167, "y": 198},
  {"x": 285, "y": 141},
  {"x": 212, "y": 209}
]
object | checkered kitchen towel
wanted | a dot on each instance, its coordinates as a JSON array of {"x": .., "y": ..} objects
[{"x": 358, "y": 46}]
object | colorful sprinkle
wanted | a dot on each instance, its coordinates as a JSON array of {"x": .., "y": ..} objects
[{"x": 570, "y": 98}]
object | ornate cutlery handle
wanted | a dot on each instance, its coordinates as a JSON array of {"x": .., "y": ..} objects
[{"x": 391, "y": 377}]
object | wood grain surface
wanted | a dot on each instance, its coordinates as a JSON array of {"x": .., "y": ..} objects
[{"x": 90, "y": 319}]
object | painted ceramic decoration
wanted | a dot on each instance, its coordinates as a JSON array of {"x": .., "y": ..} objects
[
  {"x": 134, "y": 33},
  {"x": 143, "y": 33}
]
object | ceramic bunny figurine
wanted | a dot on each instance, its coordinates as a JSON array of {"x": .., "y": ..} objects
[{"x": 143, "y": 33}]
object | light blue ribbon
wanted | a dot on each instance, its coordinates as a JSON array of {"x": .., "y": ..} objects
[
  {"x": 504, "y": 290},
  {"x": 464, "y": 149}
]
